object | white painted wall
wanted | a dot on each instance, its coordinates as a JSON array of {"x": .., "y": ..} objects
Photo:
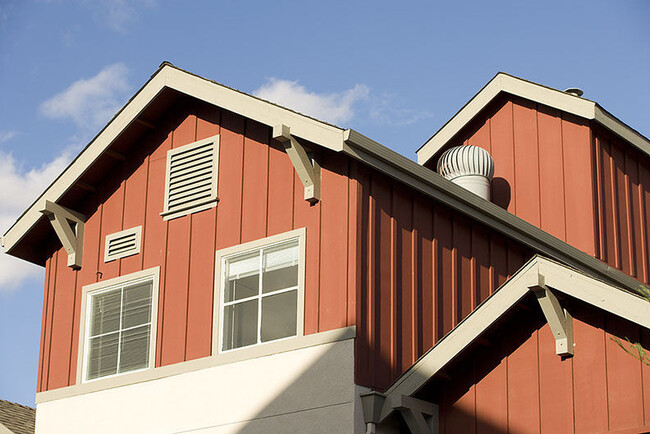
[{"x": 309, "y": 390}]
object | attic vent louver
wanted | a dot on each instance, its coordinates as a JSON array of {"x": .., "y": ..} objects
[
  {"x": 470, "y": 167},
  {"x": 191, "y": 182},
  {"x": 122, "y": 244}
]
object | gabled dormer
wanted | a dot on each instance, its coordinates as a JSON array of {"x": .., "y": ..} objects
[{"x": 562, "y": 163}]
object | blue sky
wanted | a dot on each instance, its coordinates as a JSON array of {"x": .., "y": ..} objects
[{"x": 395, "y": 71}]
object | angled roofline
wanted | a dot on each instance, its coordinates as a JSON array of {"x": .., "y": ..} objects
[
  {"x": 349, "y": 142},
  {"x": 432, "y": 185},
  {"x": 506, "y": 83},
  {"x": 172, "y": 77},
  {"x": 557, "y": 277}
]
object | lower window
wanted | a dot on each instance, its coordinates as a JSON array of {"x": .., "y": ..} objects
[
  {"x": 119, "y": 325},
  {"x": 261, "y": 291}
]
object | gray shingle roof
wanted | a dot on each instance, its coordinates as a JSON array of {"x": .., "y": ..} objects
[{"x": 17, "y": 418}]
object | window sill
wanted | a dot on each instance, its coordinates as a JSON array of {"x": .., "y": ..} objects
[{"x": 247, "y": 353}]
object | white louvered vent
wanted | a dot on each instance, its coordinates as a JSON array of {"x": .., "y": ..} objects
[
  {"x": 122, "y": 244},
  {"x": 191, "y": 183}
]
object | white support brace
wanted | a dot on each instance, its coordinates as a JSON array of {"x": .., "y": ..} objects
[
  {"x": 69, "y": 227},
  {"x": 420, "y": 416},
  {"x": 307, "y": 169},
  {"x": 559, "y": 319}
]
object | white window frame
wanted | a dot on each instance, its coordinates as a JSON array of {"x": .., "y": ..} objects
[
  {"x": 151, "y": 274},
  {"x": 137, "y": 231},
  {"x": 223, "y": 254},
  {"x": 197, "y": 205}
]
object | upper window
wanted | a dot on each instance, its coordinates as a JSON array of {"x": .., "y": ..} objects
[
  {"x": 261, "y": 291},
  {"x": 191, "y": 181},
  {"x": 119, "y": 325}
]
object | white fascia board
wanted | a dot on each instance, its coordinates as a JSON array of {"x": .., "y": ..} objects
[
  {"x": 557, "y": 276},
  {"x": 85, "y": 159},
  {"x": 200, "y": 88},
  {"x": 254, "y": 108},
  {"x": 557, "y": 99}
]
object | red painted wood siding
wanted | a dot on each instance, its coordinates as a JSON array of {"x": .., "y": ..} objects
[
  {"x": 571, "y": 179},
  {"x": 259, "y": 195},
  {"x": 423, "y": 269},
  {"x": 622, "y": 177},
  {"x": 518, "y": 384}
]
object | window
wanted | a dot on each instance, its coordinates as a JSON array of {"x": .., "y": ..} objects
[
  {"x": 261, "y": 291},
  {"x": 118, "y": 324},
  {"x": 191, "y": 178}
]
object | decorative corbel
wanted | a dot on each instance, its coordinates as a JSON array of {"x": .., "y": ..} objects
[
  {"x": 420, "y": 416},
  {"x": 559, "y": 319},
  {"x": 307, "y": 168},
  {"x": 69, "y": 227}
]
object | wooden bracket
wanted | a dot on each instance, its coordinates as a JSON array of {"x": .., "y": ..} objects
[
  {"x": 559, "y": 319},
  {"x": 307, "y": 168},
  {"x": 420, "y": 416},
  {"x": 69, "y": 227}
]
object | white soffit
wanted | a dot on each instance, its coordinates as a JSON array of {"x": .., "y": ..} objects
[
  {"x": 557, "y": 277},
  {"x": 169, "y": 76},
  {"x": 557, "y": 99}
]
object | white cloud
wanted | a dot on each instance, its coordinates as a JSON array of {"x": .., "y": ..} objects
[
  {"x": 5, "y": 136},
  {"x": 331, "y": 107},
  {"x": 119, "y": 14},
  {"x": 20, "y": 187},
  {"x": 90, "y": 102},
  {"x": 387, "y": 110}
]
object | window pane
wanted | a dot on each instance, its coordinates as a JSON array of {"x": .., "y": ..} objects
[
  {"x": 105, "y": 312},
  {"x": 134, "y": 349},
  {"x": 102, "y": 358},
  {"x": 279, "y": 315},
  {"x": 242, "y": 277},
  {"x": 280, "y": 267},
  {"x": 136, "y": 307},
  {"x": 240, "y": 325}
]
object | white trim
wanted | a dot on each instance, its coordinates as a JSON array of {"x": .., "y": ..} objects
[
  {"x": 556, "y": 276},
  {"x": 200, "y": 204},
  {"x": 152, "y": 274},
  {"x": 221, "y": 255},
  {"x": 557, "y": 99},
  {"x": 275, "y": 347},
  {"x": 136, "y": 232},
  {"x": 168, "y": 76}
]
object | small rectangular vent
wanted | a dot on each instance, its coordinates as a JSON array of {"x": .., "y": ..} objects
[
  {"x": 122, "y": 244},
  {"x": 191, "y": 177}
]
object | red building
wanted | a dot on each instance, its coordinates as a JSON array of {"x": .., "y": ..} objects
[{"x": 218, "y": 263}]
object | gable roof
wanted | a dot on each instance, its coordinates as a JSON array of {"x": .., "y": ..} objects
[
  {"x": 509, "y": 84},
  {"x": 556, "y": 276},
  {"x": 16, "y": 418},
  {"x": 19, "y": 239},
  {"x": 169, "y": 77}
]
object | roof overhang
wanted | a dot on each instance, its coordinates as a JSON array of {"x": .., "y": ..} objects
[
  {"x": 556, "y": 276},
  {"x": 505, "y": 83},
  {"x": 183, "y": 82}
]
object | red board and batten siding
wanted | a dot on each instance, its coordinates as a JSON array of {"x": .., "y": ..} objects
[
  {"x": 570, "y": 178},
  {"x": 259, "y": 195},
  {"x": 423, "y": 269},
  {"x": 518, "y": 384}
]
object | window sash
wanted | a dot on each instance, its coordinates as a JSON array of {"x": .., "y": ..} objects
[
  {"x": 123, "y": 313},
  {"x": 286, "y": 249}
]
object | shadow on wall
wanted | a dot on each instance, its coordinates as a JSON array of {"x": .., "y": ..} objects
[
  {"x": 501, "y": 193},
  {"x": 510, "y": 381}
]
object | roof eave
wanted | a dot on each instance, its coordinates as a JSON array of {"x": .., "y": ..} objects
[
  {"x": 508, "y": 84},
  {"x": 171, "y": 77}
]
